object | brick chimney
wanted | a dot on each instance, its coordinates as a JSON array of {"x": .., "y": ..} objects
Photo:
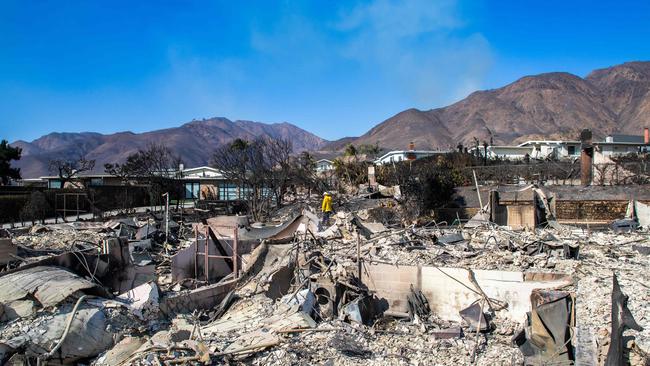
[
  {"x": 411, "y": 146},
  {"x": 646, "y": 136}
]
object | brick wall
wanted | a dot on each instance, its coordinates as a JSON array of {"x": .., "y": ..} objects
[
  {"x": 590, "y": 210},
  {"x": 566, "y": 210}
]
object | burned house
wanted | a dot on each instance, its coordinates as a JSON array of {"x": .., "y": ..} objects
[
  {"x": 516, "y": 287},
  {"x": 518, "y": 206}
]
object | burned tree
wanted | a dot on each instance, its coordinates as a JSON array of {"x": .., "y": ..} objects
[
  {"x": 36, "y": 208},
  {"x": 261, "y": 169},
  {"x": 156, "y": 166},
  {"x": 278, "y": 152},
  {"x": 66, "y": 169},
  {"x": 154, "y": 161},
  {"x": 426, "y": 184},
  {"x": 304, "y": 172}
]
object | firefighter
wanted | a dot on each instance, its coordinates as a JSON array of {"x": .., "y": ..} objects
[{"x": 326, "y": 208}]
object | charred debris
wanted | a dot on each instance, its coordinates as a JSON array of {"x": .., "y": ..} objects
[{"x": 374, "y": 287}]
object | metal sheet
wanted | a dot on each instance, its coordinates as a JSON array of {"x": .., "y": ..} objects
[{"x": 49, "y": 285}]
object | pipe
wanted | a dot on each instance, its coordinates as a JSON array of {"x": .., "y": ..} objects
[{"x": 41, "y": 359}]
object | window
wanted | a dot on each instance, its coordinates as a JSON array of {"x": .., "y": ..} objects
[
  {"x": 228, "y": 191},
  {"x": 192, "y": 190},
  {"x": 54, "y": 184},
  {"x": 96, "y": 181},
  {"x": 572, "y": 150},
  {"x": 268, "y": 192}
]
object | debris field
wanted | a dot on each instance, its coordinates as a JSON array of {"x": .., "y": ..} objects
[{"x": 370, "y": 288}]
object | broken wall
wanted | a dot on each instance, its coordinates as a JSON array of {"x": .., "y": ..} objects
[
  {"x": 186, "y": 262},
  {"x": 448, "y": 289}
]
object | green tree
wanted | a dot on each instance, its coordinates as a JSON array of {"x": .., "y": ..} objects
[
  {"x": 369, "y": 149},
  {"x": 7, "y": 154},
  {"x": 350, "y": 150}
]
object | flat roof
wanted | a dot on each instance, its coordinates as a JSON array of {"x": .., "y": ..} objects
[
  {"x": 205, "y": 167},
  {"x": 619, "y": 143},
  {"x": 98, "y": 175},
  {"x": 549, "y": 142},
  {"x": 431, "y": 152},
  {"x": 508, "y": 147},
  {"x": 626, "y": 138}
]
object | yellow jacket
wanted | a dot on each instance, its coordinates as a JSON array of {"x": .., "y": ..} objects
[{"x": 327, "y": 204}]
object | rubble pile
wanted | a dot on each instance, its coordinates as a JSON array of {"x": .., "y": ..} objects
[
  {"x": 56, "y": 237},
  {"x": 370, "y": 288}
]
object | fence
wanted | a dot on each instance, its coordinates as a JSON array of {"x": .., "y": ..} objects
[
  {"x": 564, "y": 173},
  {"x": 37, "y": 203},
  {"x": 621, "y": 173}
]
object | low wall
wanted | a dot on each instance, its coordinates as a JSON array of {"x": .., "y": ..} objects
[
  {"x": 596, "y": 211},
  {"x": 567, "y": 211}
]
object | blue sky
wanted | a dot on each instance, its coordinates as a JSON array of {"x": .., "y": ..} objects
[{"x": 333, "y": 68}]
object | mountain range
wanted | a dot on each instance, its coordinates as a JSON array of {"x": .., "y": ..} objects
[
  {"x": 555, "y": 105},
  {"x": 194, "y": 142}
]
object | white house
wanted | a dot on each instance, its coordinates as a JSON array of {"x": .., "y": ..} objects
[
  {"x": 401, "y": 155},
  {"x": 557, "y": 149},
  {"x": 324, "y": 165},
  {"x": 505, "y": 152},
  {"x": 561, "y": 149},
  {"x": 622, "y": 145},
  {"x": 200, "y": 172},
  {"x": 205, "y": 182}
]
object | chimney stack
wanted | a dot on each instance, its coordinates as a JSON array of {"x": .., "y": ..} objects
[
  {"x": 646, "y": 136},
  {"x": 411, "y": 146}
]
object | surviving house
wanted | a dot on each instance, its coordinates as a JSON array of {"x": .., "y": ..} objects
[
  {"x": 504, "y": 152},
  {"x": 324, "y": 165},
  {"x": 85, "y": 179},
  {"x": 556, "y": 149},
  {"x": 567, "y": 149},
  {"x": 202, "y": 182},
  {"x": 205, "y": 182},
  {"x": 623, "y": 144}
]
